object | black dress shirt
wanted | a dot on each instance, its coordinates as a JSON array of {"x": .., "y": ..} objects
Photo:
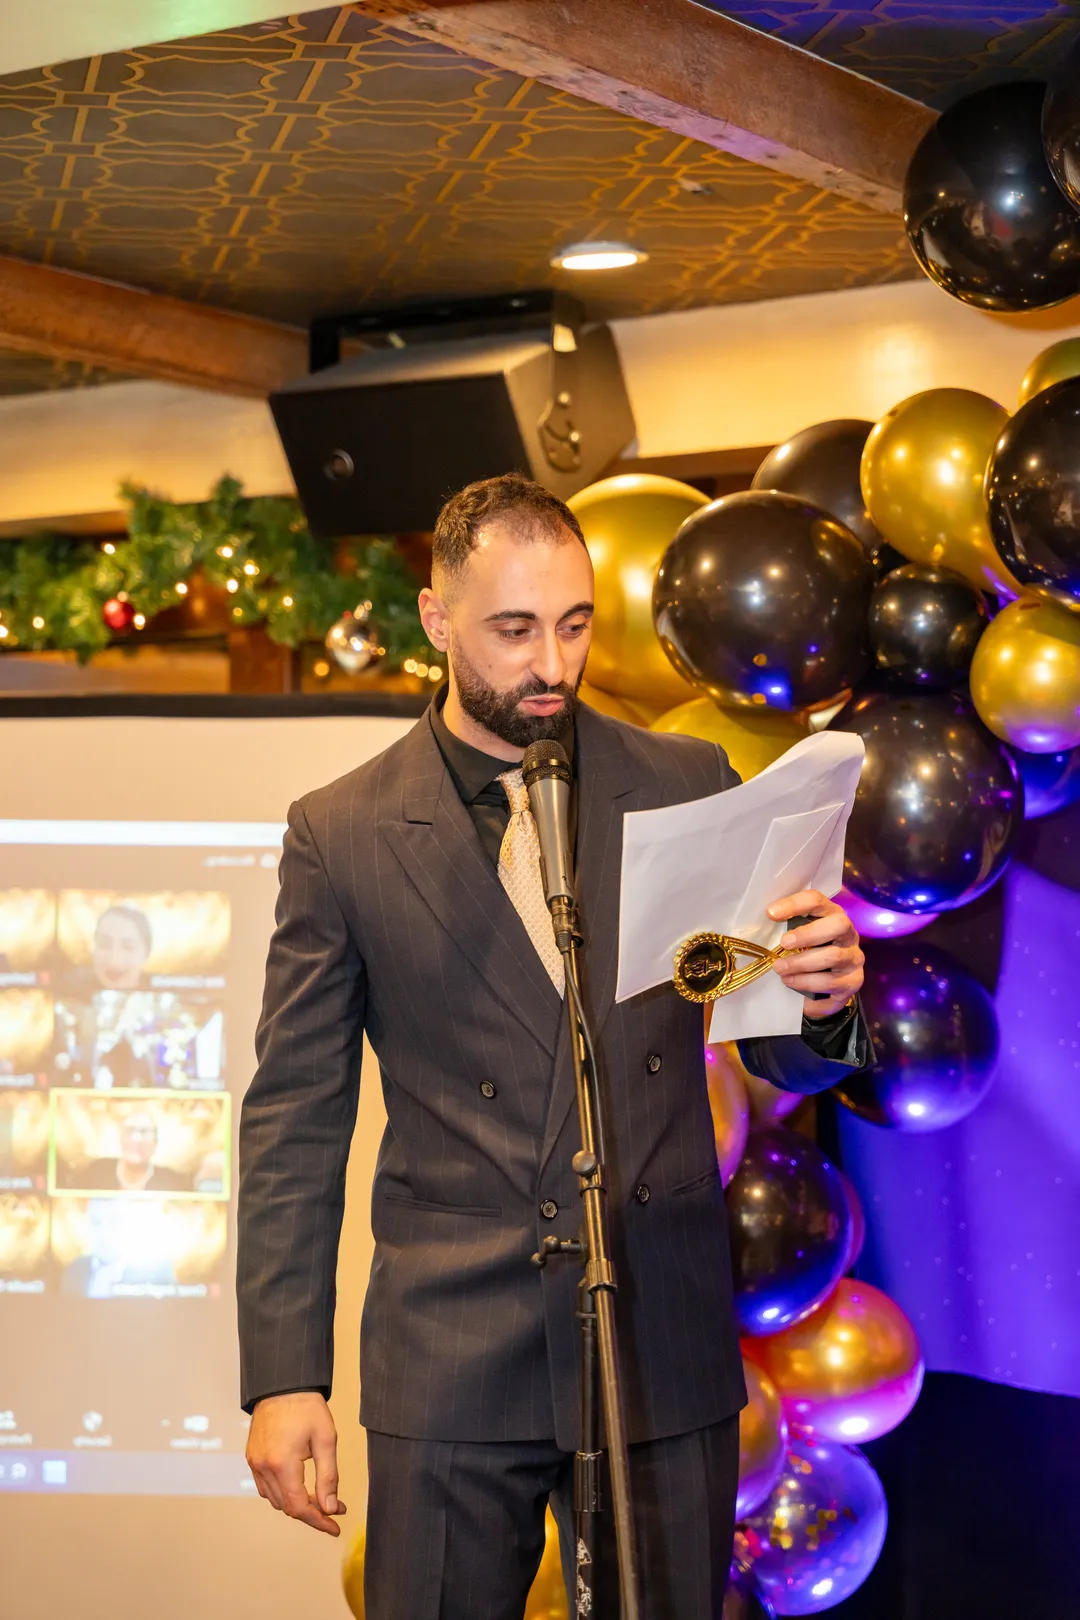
[{"x": 475, "y": 776}]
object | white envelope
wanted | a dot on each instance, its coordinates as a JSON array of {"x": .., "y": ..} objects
[{"x": 718, "y": 863}]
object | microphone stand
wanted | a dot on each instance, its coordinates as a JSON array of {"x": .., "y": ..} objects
[{"x": 600, "y": 1373}]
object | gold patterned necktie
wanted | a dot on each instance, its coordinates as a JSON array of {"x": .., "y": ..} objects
[{"x": 519, "y": 874}]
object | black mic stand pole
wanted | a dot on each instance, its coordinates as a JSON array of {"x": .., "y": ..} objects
[{"x": 596, "y": 1312}]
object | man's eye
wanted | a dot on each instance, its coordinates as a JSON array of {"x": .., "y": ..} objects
[
  {"x": 575, "y": 629},
  {"x": 517, "y": 633}
]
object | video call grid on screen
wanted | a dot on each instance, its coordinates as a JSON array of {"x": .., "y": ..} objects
[{"x": 131, "y": 958}]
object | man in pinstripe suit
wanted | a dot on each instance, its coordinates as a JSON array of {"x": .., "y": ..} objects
[{"x": 400, "y": 914}]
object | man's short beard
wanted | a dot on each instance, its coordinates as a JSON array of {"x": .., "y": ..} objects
[{"x": 498, "y": 712}]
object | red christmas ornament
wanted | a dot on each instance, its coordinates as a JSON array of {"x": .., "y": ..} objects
[{"x": 118, "y": 613}]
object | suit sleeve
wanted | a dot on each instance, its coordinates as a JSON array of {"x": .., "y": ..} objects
[
  {"x": 818, "y": 1057},
  {"x": 295, "y": 1129}
]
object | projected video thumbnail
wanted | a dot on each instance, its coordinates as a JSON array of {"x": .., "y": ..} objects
[
  {"x": 138, "y": 1143},
  {"x": 24, "y": 1139},
  {"x": 157, "y": 1248},
  {"x": 110, "y": 990}
]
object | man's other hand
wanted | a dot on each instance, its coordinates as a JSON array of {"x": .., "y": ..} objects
[
  {"x": 287, "y": 1430},
  {"x": 829, "y": 959}
]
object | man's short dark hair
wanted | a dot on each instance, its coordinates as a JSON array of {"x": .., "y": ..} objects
[{"x": 533, "y": 510}]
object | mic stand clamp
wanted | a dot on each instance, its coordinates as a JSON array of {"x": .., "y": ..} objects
[{"x": 601, "y": 1382}]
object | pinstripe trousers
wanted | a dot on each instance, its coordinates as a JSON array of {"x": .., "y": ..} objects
[{"x": 455, "y": 1529}]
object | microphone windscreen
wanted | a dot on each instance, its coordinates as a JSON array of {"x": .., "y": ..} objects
[{"x": 544, "y": 759}]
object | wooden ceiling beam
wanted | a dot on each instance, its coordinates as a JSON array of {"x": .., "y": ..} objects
[
  {"x": 67, "y": 316},
  {"x": 682, "y": 67}
]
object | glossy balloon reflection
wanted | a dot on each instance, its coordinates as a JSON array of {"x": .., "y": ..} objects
[
  {"x": 939, "y": 805},
  {"x": 1053, "y": 365},
  {"x": 751, "y": 738},
  {"x": 1051, "y": 781},
  {"x": 547, "y": 1596},
  {"x": 858, "y": 1227},
  {"x": 935, "y": 1033},
  {"x": 852, "y": 1371},
  {"x": 729, "y": 1107},
  {"x": 744, "y": 1599},
  {"x": 922, "y": 476},
  {"x": 1061, "y": 123},
  {"x": 1025, "y": 677},
  {"x": 1033, "y": 493},
  {"x": 876, "y": 922},
  {"x": 925, "y": 624},
  {"x": 821, "y": 1531},
  {"x": 763, "y": 1440},
  {"x": 790, "y": 1229},
  {"x": 761, "y": 599},
  {"x": 628, "y": 523},
  {"x": 821, "y": 465},
  {"x": 984, "y": 215}
]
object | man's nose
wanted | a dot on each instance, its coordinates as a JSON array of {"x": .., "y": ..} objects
[{"x": 549, "y": 665}]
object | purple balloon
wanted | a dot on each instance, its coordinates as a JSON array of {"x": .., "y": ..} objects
[
  {"x": 819, "y": 1534},
  {"x": 743, "y": 1599},
  {"x": 935, "y": 1033},
  {"x": 1051, "y": 781},
  {"x": 790, "y": 1227},
  {"x": 874, "y": 922}
]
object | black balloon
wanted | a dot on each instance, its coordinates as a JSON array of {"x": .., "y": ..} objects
[
  {"x": 924, "y": 625},
  {"x": 1051, "y": 781},
  {"x": 1033, "y": 492},
  {"x": 983, "y": 212},
  {"x": 744, "y": 1599},
  {"x": 791, "y": 1226},
  {"x": 761, "y": 598},
  {"x": 821, "y": 465},
  {"x": 939, "y": 806},
  {"x": 935, "y": 1034},
  {"x": 1061, "y": 124}
]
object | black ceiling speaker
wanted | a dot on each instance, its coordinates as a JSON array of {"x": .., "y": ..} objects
[{"x": 444, "y": 395}]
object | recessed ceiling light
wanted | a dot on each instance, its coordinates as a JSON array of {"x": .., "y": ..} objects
[{"x": 598, "y": 256}]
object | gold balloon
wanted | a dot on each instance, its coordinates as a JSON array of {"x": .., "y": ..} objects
[
  {"x": 763, "y": 1439},
  {"x": 751, "y": 738},
  {"x": 1025, "y": 676},
  {"x": 629, "y": 522},
  {"x": 728, "y": 1105},
  {"x": 617, "y": 708},
  {"x": 922, "y": 481},
  {"x": 352, "y": 1574},
  {"x": 1053, "y": 365},
  {"x": 769, "y": 1104},
  {"x": 547, "y": 1596},
  {"x": 850, "y": 1372}
]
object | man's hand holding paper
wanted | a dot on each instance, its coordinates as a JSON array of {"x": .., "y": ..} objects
[{"x": 742, "y": 863}]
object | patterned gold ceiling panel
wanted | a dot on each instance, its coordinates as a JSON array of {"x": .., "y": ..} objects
[
  {"x": 325, "y": 162},
  {"x": 22, "y": 373},
  {"x": 935, "y": 51}
]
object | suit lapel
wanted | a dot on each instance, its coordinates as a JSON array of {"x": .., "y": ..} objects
[
  {"x": 607, "y": 788},
  {"x": 433, "y": 838}
]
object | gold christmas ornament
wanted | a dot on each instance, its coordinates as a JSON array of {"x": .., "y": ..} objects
[
  {"x": 922, "y": 481},
  {"x": 628, "y": 522}
]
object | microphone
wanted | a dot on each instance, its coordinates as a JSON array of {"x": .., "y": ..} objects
[{"x": 546, "y": 773}]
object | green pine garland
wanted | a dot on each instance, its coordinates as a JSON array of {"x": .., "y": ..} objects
[{"x": 53, "y": 589}]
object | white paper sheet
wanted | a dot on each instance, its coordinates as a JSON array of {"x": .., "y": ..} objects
[{"x": 718, "y": 863}]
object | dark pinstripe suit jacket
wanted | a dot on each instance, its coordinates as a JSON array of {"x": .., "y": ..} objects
[{"x": 391, "y": 919}]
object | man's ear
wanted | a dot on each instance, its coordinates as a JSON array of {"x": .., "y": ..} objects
[{"x": 434, "y": 618}]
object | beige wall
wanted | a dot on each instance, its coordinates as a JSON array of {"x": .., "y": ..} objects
[{"x": 707, "y": 379}]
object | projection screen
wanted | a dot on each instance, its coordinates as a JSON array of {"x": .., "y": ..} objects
[{"x": 138, "y": 876}]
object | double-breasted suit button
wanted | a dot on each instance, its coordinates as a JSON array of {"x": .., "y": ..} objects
[
  {"x": 549, "y": 1209},
  {"x": 487, "y": 1089},
  {"x": 653, "y": 1062},
  {"x": 643, "y": 1194}
]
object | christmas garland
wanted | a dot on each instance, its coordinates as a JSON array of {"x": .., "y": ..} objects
[{"x": 77, "y": 595}]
